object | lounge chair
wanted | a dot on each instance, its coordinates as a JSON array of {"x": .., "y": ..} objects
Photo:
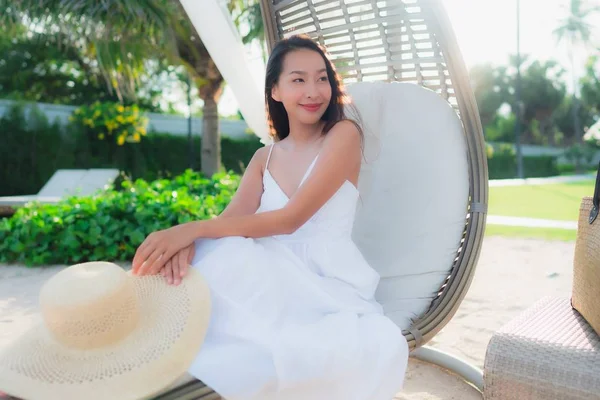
[
  {"x": 424, "y": 185},
  {"x": 64, "y": 182}
]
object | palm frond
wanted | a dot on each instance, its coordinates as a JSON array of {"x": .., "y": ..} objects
[
  {"x": 120, "y": 34},
  {"x": 574, "y": 27}
]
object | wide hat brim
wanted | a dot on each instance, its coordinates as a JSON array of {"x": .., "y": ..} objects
[{"x": 171, "y": 329}]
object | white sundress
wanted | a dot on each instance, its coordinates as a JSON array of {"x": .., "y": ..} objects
[{"x": 294, "y": 316}]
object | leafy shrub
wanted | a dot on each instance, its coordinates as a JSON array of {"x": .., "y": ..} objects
[
  {"x": 489, "y": 150},
  {"x": 502, "y": 128},
  {"x": 584, "y": 153},
  {"x": 111, "y": 121},
  {"x": 505, "y": 149},
  {"x": 565, "y": 169},
  {"x": 112, "y": 224}
]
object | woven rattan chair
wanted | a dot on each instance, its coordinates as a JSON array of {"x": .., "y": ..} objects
[{"x": 408, "y": 41}]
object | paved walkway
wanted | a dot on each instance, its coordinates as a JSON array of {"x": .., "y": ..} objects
[
  {"x": 540, "y": 181},
  {"x": 530, "y": 222}
]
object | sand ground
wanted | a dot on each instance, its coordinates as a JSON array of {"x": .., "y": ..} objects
[{"x": 511, "y": 275}]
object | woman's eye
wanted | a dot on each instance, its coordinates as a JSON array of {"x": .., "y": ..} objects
[
  {"x": 324, "y": 79},
  {"x": 298, "y": 80}
]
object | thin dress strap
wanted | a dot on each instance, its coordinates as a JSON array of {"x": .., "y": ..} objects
[{"x": 269, "y": 157}]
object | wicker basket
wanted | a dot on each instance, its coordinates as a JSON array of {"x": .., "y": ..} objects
[{"x": 586, "y": 265}]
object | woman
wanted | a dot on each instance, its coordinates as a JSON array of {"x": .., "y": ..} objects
[{"x": 294, "y": 314}]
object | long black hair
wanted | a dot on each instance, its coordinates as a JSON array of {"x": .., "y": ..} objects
[{"x": 279, "y": 124}]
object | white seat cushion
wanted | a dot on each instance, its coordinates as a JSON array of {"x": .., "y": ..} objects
[{"x": 414, "y": 190}]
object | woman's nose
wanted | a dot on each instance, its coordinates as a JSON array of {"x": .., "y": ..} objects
[{"x": 311, "y": 90}]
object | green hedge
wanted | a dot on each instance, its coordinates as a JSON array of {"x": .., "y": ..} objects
[
  {"x": 504, "y": 166},
  {"x": 31, "y": 151},
  {"x": 112, "y": 224}
]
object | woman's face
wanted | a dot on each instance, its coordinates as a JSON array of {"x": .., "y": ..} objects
[{"x": 303, "y": 86}]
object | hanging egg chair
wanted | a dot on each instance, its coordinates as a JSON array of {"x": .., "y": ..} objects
[{"x": 424, "y": 182}]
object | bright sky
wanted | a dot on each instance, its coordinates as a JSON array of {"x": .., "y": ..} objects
[
  {"x": 486, "y": 32},
  {"x": 486, "y": 29}
]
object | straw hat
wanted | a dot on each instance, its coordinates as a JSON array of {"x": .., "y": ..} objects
[{"x": 106, "y": 334}]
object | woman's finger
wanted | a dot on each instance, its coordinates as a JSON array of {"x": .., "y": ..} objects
[
  {"x": 168, "y": 252},
  {"x": 183, "y": 261},
  {"x": 142, "y": 252},
  {"x": 192, "y": 253},
  {"x": 176, "y": 277},
  {"x": 154, "y": 262},
  {"x": 158, "y": 259},
  {"x": 169, "y": 272}
]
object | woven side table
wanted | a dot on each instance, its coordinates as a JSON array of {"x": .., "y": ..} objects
[{"x": 549, "y": 352}]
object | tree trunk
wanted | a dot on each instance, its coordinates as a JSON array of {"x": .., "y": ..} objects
[
  {"x": 209, "y": 82},
  {"x": 211, "y": 138},
  {"x": 210, "y": 91}
]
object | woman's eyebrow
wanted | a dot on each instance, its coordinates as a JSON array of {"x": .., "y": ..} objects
[{"x": 304, "y": 72}]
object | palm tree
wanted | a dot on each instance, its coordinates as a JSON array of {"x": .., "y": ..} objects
[
  {"x": 491, "y": 88},
  {"x": 248, "y": 13},
  {"x": 575, "y": 30},
  {"x": 123, "y": 35}
]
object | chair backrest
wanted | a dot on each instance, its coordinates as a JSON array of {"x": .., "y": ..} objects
[
  {"x": 405, "y": 41},
  {"x": 77, "y": 182},
  {"x": 414, "y": 190}
]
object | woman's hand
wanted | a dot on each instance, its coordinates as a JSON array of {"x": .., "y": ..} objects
[
  {"x": 176, "y": 268},
  {"x": 160, "y": 246}
]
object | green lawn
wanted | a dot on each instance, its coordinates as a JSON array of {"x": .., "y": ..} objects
[{"x": 553, "y": 201}]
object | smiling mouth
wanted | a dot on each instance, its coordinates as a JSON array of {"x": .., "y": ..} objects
[{"x": 311, "y": 107}]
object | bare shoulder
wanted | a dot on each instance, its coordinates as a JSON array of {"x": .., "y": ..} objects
[
  {"x": 344, "y": 135},
  {"x": 262, "y": 153},
  {"x": 346, "y": 127},
  {"x": 260, "y": 157}
]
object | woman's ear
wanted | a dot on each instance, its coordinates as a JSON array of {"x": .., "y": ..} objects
[{"x": 275, "y": 93}]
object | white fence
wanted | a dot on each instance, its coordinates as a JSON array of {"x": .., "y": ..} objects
[{"x": 164, "y": 123}]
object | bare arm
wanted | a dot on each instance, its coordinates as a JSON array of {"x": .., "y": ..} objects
[
  {"x": 339, "y": 158},
  {"x": 246, "y": 199}
]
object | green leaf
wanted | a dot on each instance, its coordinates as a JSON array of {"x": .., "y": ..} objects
[{"x": 110, "y": 225}]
